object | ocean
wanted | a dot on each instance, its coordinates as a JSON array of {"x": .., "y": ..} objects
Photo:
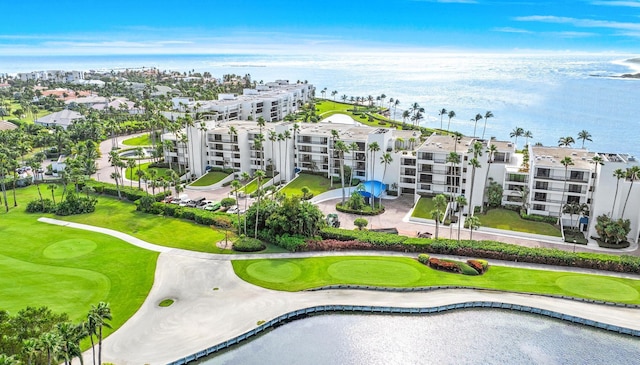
[{"x": 551, "y": 95}]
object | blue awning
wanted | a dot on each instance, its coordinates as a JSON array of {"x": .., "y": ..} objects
[{"x": 378, "y": 188}]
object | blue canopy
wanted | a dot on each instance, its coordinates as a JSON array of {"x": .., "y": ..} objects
[{"x": 378, "y": 188}]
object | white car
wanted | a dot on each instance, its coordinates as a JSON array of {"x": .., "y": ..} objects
[{"x": 233, "y": 209}]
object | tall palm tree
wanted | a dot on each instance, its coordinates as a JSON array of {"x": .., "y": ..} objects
[
  {"x": 516, "y": 132},
  {"x": 487, "y": 115},
  {"x": 473, "y": 223},
  {"x": 442, "y": 113},
  {"x": 584, "y": 136},
  {"x": 474, "y": 163},
  {"x": 131, "y": 165},
  {"x": 341, "y": 148},
  {"x": 139, "y": 155},
  {"x": 451, "y": 115},
  {"x": 395, "y": 106},
  {"x": 461, "y": 201},
  {"x": 232, "y": 133},
  {"x": 50, "y": 343},
  {"x": 30, "y": 349},
  {"x": 386, "y": 160},
  {"x": 475, "y": 120},
  {"x": 618, "y": 174},
  {"x": 633, "y": 174},
  {"x": 282, "y": 168},
  {"x": 454, "y": 159},
  {"x": 259, "y": 175},
  {"x": 491, "y": 152},
  {"x": 332, "y": 140},
  {"x": 116, "y": 161},
  {"x": 566, "y": 141},
  {"x": 405, "y": 115},
  {"x": 287, "y": 137},
  {"x": 527, "y": 135},
  {"x": 439, "y": 203},
  {"x": 566, "y": 162},
  {"x": 97, "y": 318},
  {"x": 374, "y": 147},
  {"x": 273, "y": 137},
  {"x": 353, "y": 147},
  {"x": 296, "y": 129},
  {"x": 52, "y": 187},
  {"x": 597, "y": 161}
]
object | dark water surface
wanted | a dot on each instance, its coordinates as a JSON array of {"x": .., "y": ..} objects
[{"x": 466, "y": 337}]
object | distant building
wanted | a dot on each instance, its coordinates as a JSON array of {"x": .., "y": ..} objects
[
  {"x": 63, "y": 118},
  {"x": 52, "y": 75}
]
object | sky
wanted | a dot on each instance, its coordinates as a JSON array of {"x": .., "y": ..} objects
[{"x": 64, "y": 27}]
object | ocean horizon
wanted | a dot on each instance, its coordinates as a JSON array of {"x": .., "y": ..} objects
[{"x": 551, "y": 95}]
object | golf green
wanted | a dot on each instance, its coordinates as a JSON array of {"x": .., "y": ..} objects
[
  {"x": 274, "y": 271},
  {"x": 374, "y": 273},
  {"x": 71, "y": 248},
  {"x": 597, "y": 288}
]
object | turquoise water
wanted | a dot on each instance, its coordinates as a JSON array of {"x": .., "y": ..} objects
[
  {"x": 552, "y": 95},
  {"x": 466, "y": 337}
]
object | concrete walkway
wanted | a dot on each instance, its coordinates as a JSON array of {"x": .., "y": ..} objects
[{"x": 213, "y": 305}]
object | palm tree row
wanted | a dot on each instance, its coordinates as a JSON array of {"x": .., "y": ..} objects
[{"x": 569, "y": 140}]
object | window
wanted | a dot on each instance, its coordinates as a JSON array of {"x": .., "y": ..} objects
[
  {"x": 540, "y": 197},
  {"x": 542, "y": 185},
  {"x": 575, "y": 188},
  {"x": 543, "y": 172},
  {"x": 538, "y": 207},
  {"x": 573, "y": 199},
  {"x": 576, "y": 175}
]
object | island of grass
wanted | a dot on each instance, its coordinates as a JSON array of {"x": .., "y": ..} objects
[
  {"x": 165, "y": 172},
  {"x": 423, "y": 208},
  {"x": 316, "y": 184},
  {"x": 67, "y": 269},
  {"x": 142, "y": 140},
  {"x": 402, "y": 272},
  {"x": 210, "y": 178},
  {"x": 510, "y": 220}
]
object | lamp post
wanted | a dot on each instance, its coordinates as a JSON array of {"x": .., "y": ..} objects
[{"x": 574, "y": 246}]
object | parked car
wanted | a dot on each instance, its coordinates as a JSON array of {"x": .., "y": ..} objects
[
  {"x": 212, "y": 206},
  {"x": 203, "y": 204},
  {"x": 233, "y": 209}
]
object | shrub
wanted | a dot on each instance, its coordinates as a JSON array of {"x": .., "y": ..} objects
[
  {"x": 227, "y": 202},
  {"x": 538, "y": 218},
  {"x": 423, "y": 258},
  {"x": 443, "y": 265},
  {"x": 360, "y": 223},
  {"x": 222, "y": 221},
  {"x": 248, "y": 244},
  {"x": 74, "y": 204},
  {"x": 37, "y": 206},
  {"x": 477, "y": 265},
  {"x": 467, "y": 269},
  {"x": 291, "y": 243}
]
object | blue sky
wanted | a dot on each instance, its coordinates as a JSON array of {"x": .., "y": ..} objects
[{"x": 283, "y": 26}]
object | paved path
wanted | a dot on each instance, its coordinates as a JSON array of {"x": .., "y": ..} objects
[{"x": 212, "y": 304}]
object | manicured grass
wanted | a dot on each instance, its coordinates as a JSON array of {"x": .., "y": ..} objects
[
  {"x": 28, "y": 118},
  {"x": 253, "y": 186},
  {"x": 510, "y": 220},
  {"x": 423, "y": 208},
  {"x": 301, "y": 274},
  {"x": 68, "y": 269},
  {"x": 210, "y": 178},
  {"x": 142, "y": 140},
  {"x": 161, "y": 171},
  {"x": 317, "y": 185},
  {"x": 165, "y": 231}
]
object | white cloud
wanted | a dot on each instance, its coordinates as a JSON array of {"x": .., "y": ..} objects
[
  {"x": 511, "y": 30},
  {"x": 582, "y": 23},
  {"x": 631, "y": 4}
]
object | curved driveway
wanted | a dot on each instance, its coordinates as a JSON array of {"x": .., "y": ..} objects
[{"x": 212, "y": 304}]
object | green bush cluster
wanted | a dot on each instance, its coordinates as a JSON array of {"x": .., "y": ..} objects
[
  {"x": 248, "y": 244},
  {"x": 73, "y": 204},
  {"x": 131, "y": 194},
  {"x": 200, "y": 216},
  {"x": 538, "y": 218},
  {"x": 488, "y": 249},
  {"x": 423, "y": 258},
  {"x": 366, "y": 210}
]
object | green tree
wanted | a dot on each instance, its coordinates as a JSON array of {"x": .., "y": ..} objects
[
  {"x": 360, "y": 223},
  {"x": 442, "y": 113},
  {"x": 475, "y": 120},
  {"x": 97, "y": 319},
  {"x": 516, "y": 132},
  {"x": 461, "y": 201},
  {"x": 451, "y": 115},
  {"x": 474, "y": 163},
  {"x": 374, "y": 147},
  {"x": 633, "y": 173},
  {"x": 566, "y": 162},
  {"x": 341, "y": 148},
  {"x": 584, "y": 136},
  {"x": 473, "y": 223},
  {"x": 566, "y": 141},
  {"x": 491, "y": 152},
  {"x": 259, "y": 175},
  {"x": 487, "y": 115},
  {"x": 618, "y": 174},
  {"x": 440, "y": 204}
]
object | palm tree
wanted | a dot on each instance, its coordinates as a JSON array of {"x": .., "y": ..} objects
[
  {"x": 332, "y": 141},
  {"x": 487, "y": 115},
  {"x": 116, "y": 161},
  {"x": 395, "y": 106},
  {"x": 353, "y": 147},
  {"x": 442, "y": 113},
  {"x": 566, "y": 141},
  {"x": 491, "y": 152},
  {"x": 461, "y": 201},
  {"x": 50, "y": 343},
  {"x": 633, "y": 174},
  {"x": 342, "y": 148},
  {"x": 287, "y": 137},
  {"x": 259, "y": 174},
  {"x": 475, "y": 120},
  {"x": 618, "y": 174},
  {"x": 296, "y": 129},
  {"x": 131, "y": 165},
  {"x": 52, "y": 187},
  {"x": 405, "y": 115},
  {"x": 96, "y": 319},
  {"x": 527, "y": 135},
  {"x": 373, "y": 148},
  {"x": 566, "y": 162},
  {"x": 451, "y": 115},
  {"x": 474, "y": 163},
  {"x": 232, "y": 133},
  {"x": 152, "y": 174},
  {"x": 247, "y": 178},
  {"x": 386, "y": 160},
  {"x": 439, "y": 203},
  {"x": 453, "y": 158},
  {"x": 139, "y": 155},
  {"x": 282, "y": 168},
  {"x": 473, "y": 223},
  {"x": 30, "y": 349},
  {"x": 597, "y": 161},
  {"x": 516, "y": 132},
  {"x": 273, "y": 137},
  {"x": 584, "y": 136}
]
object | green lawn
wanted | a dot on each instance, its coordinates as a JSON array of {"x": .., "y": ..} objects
[
  {"x": 28, "y": 118},
  {"x": 317, "y": 185},
  {"x": 423, "y": 208},
  {"x": 68, "y": 269},
  {"x": 161, "y": 171},
  {"x": 511, "y": 221},
  {"x": 253, "y": 186},
  {"x": 301, "y": 274},
  {"x": 210, "y": 178},
  {"x": 165, "y": 231},
  {"x": 142, "y": 140}
]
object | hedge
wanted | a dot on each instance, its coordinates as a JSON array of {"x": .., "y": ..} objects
[
  {"x": 487, "y": 249},
  {"x": 342, "y": 209},
  {"x": 248, "y": 244},
  {"x": 131, "y": 194},
  {"x": 200, "y": 216}
]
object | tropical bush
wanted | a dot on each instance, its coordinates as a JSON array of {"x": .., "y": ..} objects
[
  {"x": 612, "y": 231},
  {"x": 485, "y": 249},
  {"x": 74, "y": 204},
  {"x": 248, "y": 244},
  {"x": 360, "y": 223},
  {"x": 423, "y": 258},
  {"x": 37, "y": 206}
]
